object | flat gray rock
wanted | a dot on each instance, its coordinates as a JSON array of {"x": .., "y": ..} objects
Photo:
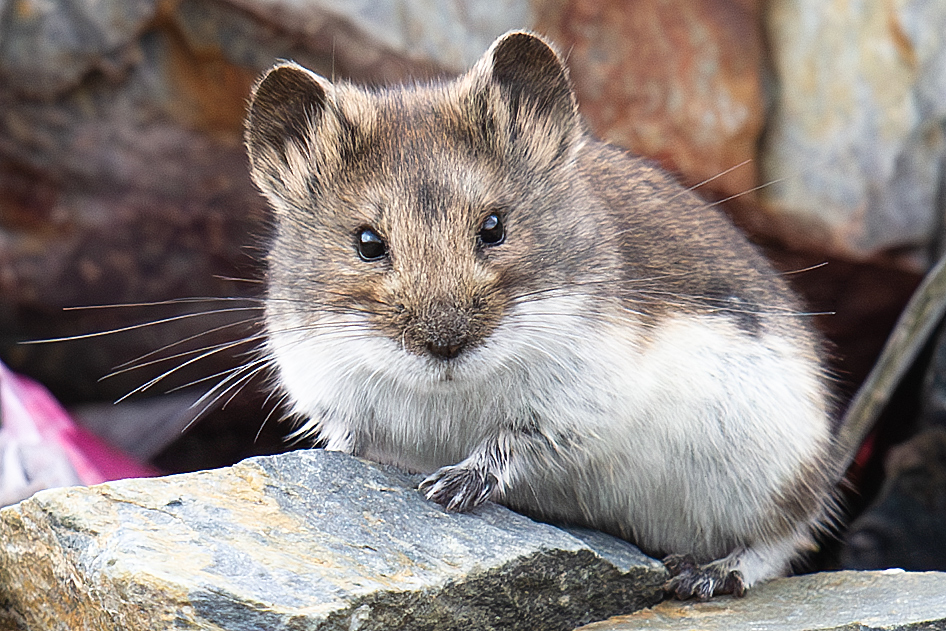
[
  {"x": 305, "y": 540},
  {"x": 891, "y": 600}
]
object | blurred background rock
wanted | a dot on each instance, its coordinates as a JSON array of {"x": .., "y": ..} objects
[{"x": 818, "y": 125}]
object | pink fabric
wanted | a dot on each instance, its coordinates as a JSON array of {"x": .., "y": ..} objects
[{"x": 30, "y": 414}]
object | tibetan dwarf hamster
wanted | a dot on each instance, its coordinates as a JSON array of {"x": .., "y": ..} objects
[{"x": 464, "y": 283}]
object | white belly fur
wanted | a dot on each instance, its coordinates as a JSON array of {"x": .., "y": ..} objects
[{"x": 681, "y": 437}]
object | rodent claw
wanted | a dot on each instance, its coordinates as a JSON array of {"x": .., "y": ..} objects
[{"x": 458, "y": 488}]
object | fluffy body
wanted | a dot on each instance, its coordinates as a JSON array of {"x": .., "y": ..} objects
[{"x": 622, "y": 359}]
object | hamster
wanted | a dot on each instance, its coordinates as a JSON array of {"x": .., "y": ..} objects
[{"x": 464, "y": 283}]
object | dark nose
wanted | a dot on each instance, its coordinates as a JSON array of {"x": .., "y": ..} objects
[{"x": 444, "y": 351}]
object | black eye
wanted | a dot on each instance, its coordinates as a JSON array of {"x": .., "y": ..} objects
[
  {"x": 492, "y": 231},
  {"x": 371, "y": 246}
]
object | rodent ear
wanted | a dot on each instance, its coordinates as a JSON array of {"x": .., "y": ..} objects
[
  {"x": 528, "y": 69},
  {"x": 285, "y": 107},
  {"x": 534, "y": 92}
]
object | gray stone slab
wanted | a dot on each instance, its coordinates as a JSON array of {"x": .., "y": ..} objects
[
  {"x": 891, "y": 600},
  {"x": 306, "y": 540}
]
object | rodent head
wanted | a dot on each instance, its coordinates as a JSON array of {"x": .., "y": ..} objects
[{"x": 422, "y": 210}]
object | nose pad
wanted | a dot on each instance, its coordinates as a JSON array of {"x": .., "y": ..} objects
[
  {"x": 445, "y": 351},
  {"x": 443, "y": 330}
]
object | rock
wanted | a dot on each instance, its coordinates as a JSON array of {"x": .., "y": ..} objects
[
  {"x": 309, "y": 539},
  {"x": 676, "y": 81},
  {"x": 856, "y": 144},
  {"x": 839, "y": 601},
  {"x": 47, "y": 47},
  {"x": 450, "y": 35},
  {"x": 905, "y": 526},
  {"x": 896, "y": 427}
]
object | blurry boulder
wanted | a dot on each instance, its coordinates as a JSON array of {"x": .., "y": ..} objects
[
  {"x": 856, "y": 143},
  {"x": 123, "y": 177},
  {"x": 679, "y": 82},
  {"x": 905, "y": 527}
]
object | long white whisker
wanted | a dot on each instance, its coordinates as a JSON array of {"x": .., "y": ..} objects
[
  {"x": 747, "y": 191},
  {"x": 710, "y": 179},
  {"x": 177, "y": 368},
  {"x": 277, "y": 405},
  {"x": 134, "y": 363},
  {"x": 160, "y": 303},
  {"x": 255, "y": 281},
  {"x": 240, "y": 376},
  {"x": 135, "y": 327},
  {"x": 207, "y": 350}
]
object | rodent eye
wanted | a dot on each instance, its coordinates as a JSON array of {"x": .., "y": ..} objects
[
  {"x": 371, "y": 246},
  {"x": 492, "y": 231}
]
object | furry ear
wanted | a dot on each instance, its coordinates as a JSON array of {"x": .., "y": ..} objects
[
  {"x": 290, "y": 129},
  {"x": 531, "y": 74},
  {"x": 534, "y": 109},
  {"x": 286, "y": 107}
]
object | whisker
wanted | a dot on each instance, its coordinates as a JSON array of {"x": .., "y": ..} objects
[
  {"x": 277, "y": 405},
  {"x": 136, "y": 327},
  {"x": 225, "y": 377},
  {"x": 710, "y": 179},
  {"x": 239, "y": 376},
  {"x": 159, "y": 303},
  {"x": 747, "y": 191},
  {"x": 168, "y": 373},
  {"x": 201, "y": 380},
  {"x": 208, "y": 350},
  {"x": 128, "y": 365},
  {"x": 806, "y": 269},
  {"x": 256, "y": 281},
  {"x": 249, "y": 377}
]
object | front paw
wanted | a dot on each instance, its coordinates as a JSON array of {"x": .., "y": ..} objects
[
  {"x": 458, "y": 488},
  {"x": 691, "y": 580}
]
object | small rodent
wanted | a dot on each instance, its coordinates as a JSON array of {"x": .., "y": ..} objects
[{"x": 464, "y": 283}]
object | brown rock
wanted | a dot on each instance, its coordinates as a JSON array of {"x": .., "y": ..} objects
[{"x": 677, "y": 81}]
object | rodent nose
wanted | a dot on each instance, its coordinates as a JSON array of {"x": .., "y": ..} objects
[{"x": 444, "y": 351}]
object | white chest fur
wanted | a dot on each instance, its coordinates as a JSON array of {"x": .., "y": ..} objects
[{"x": 682, "y": 436}]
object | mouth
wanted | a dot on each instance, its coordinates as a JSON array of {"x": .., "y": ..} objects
[{"x": 440, "y": 369}]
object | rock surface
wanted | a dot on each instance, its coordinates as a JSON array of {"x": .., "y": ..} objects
[
  {"x": 903, "y": 406},
  {"x": 306, "y": 540},
  {"x": 835, "y": 601},
  {"x": 676, "y": 81},
  {"x": 856, "y": 144}
]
